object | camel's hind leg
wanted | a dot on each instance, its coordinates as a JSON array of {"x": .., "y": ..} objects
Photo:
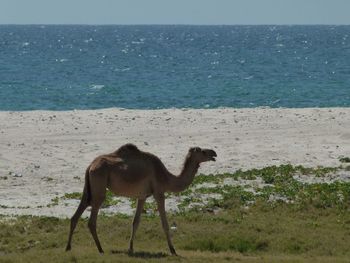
[
  {"x": 74, "y": 220},
  {"x": 92, "y": 226},
  {"x": 84, "y": 203},
  {"x": 135, "y": 223},
  {"x": 98, "y": 194}
]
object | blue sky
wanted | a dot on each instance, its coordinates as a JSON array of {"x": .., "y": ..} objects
[{"x": 175, "y": 12}]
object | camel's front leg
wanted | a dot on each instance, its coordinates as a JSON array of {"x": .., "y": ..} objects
[
  {"x": 135, "y": 223},
  {"x": 161, "y": 208}
]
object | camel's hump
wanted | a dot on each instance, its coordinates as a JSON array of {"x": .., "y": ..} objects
[{"x": 128, "y": 147}]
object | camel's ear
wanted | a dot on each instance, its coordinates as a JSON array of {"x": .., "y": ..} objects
[{"x": 195, "y": 149}]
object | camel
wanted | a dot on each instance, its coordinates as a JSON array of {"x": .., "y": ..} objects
[{"x": 133, "y": 173}]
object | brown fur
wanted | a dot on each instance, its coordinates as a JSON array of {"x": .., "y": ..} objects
[{"x": 133, "y": 173}]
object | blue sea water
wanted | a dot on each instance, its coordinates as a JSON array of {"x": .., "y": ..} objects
[{"x": 148, "y": 67}]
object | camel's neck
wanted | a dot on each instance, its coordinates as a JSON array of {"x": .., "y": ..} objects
[{"x": 181, "y": 182}]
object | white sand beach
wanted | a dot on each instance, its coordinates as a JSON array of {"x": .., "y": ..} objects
[{"x": 43, "y": 154}]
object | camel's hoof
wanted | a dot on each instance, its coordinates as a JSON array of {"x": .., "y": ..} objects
[
  {"x": 130, "y": 252},
  {"x": 172, "y": 251},
  {"x": 68, "y": 248}
]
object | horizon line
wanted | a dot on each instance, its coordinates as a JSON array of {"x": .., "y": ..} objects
[{"x": 165, "y": 24}]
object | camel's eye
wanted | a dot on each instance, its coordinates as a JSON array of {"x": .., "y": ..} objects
[{"x": 195, "y": 149}]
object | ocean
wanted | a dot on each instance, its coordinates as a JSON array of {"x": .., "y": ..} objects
[{"x": 64, "y": 67}]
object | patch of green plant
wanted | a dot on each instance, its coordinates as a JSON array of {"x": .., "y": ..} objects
[
  {"x": 232, "y": 196},
  {"x": 210, "y": 190},
  {"x": 133, "y": 202},
  {"x": 268, "y": 174},
  {"x": 187, "y": 203},
  {"x": 47, "y": 179},
  {"x": 281, "y": 186},
  {"x": 247, "y": 175},
  {"x": 344, "y": 159},
  {"x": 287, "y": 187},
  {"x": 54, "y": 201},
  {"x": 200, "y": 179},
  {"x": 186, "y": 192},
  {"x": 318, "y": 171},
  {"x": 110, "y": 199},
  {"x": 335, "y": 195},
  {"x": 150, "y": 206},
  {"x": 74, "y": 195}
]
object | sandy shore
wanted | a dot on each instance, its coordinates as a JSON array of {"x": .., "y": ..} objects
[{"x": 43, "y": 154}]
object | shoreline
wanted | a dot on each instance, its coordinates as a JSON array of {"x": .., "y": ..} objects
[
  {"x": 182, "y": 109},
  {"x": 44, "y": 153}
]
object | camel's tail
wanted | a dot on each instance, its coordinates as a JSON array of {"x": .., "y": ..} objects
[{"x": 86, "y": 198}]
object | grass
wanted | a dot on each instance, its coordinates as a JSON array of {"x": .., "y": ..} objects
[
  {"x": 311, "y": 224},
  {"x": 263, "y": 233}
]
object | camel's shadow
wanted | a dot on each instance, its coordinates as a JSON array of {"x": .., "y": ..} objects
[{"x": 141, "y": 254}]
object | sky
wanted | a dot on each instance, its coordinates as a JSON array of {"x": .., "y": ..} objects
[{"x": 198, "y": 12}]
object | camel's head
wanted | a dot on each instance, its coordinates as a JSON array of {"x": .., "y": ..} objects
[{"x": 202, "y": 155}]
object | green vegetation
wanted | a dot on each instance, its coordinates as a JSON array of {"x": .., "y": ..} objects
[
  {"x": 47, "y": 179},
  {"x": 344, "y": 159},
  {"x": 109, "y": 201},
  {"x": 274, "y": 183},
  {"x": 269, "y": 173},
  {"x": 265, "y": 232},
  {"x": 260, "y": 215},
  {"x": 75, "y": 195},
  {"x": 280, "y": 184}
]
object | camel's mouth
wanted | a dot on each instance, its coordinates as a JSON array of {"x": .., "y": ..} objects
[
  {"x": 204, "y": 154},
  {"x": 212, "y": 155}
]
